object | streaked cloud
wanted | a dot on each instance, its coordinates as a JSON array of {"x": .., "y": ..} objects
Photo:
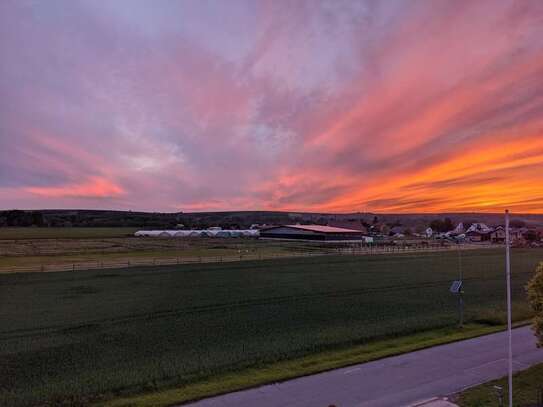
[
  {"x": 387, "y": 106},
  {"x": 92, "y": 188}
]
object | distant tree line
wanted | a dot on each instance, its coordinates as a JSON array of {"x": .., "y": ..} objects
[
  {"x": 97, "y": 218},
  {"x": 21, "y": 218},
  {"x": 82, "y": 218},
  {"x": 236, "y": 220}
]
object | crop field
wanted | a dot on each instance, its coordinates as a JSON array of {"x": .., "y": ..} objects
[{"x": 77, "y": 337}]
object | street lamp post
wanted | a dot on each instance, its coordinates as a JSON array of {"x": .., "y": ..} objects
[{"x": 509, "y": 333}]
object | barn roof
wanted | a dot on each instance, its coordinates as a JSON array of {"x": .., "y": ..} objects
[{"x": 319, "y": 228}]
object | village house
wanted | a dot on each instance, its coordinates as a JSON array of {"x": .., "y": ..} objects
[
  {"x": 479, "y": 232},
  {"x": 516, "y": 234}
]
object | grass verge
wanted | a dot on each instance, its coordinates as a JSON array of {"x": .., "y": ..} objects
[
  {"x": 307, "y": 365},
  {"x": 526, "y": 385}
]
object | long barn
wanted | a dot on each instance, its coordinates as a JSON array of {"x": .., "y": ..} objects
[{"x": 311, "y": 232}]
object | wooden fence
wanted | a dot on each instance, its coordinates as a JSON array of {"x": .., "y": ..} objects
[{"x": 162, "y": 261}]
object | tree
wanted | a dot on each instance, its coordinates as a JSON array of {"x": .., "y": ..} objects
[
  {"x": 531, "y": 235},
  {"x": 435, "y": 225},
  {"x": 441, "y": 226},
  {"x": 420, "y": 228},
  {"x": 518, "y": 223},
  {"x": 37, "y": 219},
  {"x": 535, "y": 295}
]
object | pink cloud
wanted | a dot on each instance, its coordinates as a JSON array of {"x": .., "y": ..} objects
[{"x": 94, "y": 187}]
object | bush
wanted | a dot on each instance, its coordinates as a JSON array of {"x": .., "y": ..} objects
[{"x": 535, "y": 295}]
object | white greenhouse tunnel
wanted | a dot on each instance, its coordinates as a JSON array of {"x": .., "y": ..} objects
[{"x": 198, "y": 233}]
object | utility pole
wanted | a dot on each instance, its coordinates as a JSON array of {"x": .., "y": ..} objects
[
  {"x": 460, "y": 298},
  {"x": 509, "y": 333}
]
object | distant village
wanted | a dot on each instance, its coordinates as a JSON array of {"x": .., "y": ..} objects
[
  {"x": 474, "y": 232},
  {"x": 521, "y": 234}
]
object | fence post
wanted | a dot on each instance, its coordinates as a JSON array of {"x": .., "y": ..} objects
[{"x": 73, "y": 266}]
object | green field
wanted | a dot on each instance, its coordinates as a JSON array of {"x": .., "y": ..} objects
[
  {"x": 75, "y": 337},
  {"x": 16, "y": 233}
]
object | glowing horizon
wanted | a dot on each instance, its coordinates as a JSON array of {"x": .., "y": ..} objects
[{"x": 344, "y": 106}]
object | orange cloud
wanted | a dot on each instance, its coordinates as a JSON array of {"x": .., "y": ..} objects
[
  {"x": 95, "y": 187},
  {"x": 490, "y": 175}
]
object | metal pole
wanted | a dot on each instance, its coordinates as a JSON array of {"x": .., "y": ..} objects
[
  {"x": 460, "y": 298},
  {"x": 509, "y": 333}
]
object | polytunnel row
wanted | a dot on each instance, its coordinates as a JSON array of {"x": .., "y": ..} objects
[{"x": 198, "y": 233}]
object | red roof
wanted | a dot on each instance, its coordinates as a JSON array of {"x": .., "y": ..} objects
[{"x": 323, "y": 229}]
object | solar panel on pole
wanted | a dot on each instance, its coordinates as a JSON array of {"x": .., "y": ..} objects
[{"x": 456, "y": 286}]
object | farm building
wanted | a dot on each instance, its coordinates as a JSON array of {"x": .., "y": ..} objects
[{"x": 311, "y": 232}]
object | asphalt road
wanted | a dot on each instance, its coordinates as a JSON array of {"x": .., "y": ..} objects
[{"x": 396, "y": 381}]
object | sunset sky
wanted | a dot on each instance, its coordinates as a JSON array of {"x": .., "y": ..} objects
[{"x": 336, "y": 106}]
